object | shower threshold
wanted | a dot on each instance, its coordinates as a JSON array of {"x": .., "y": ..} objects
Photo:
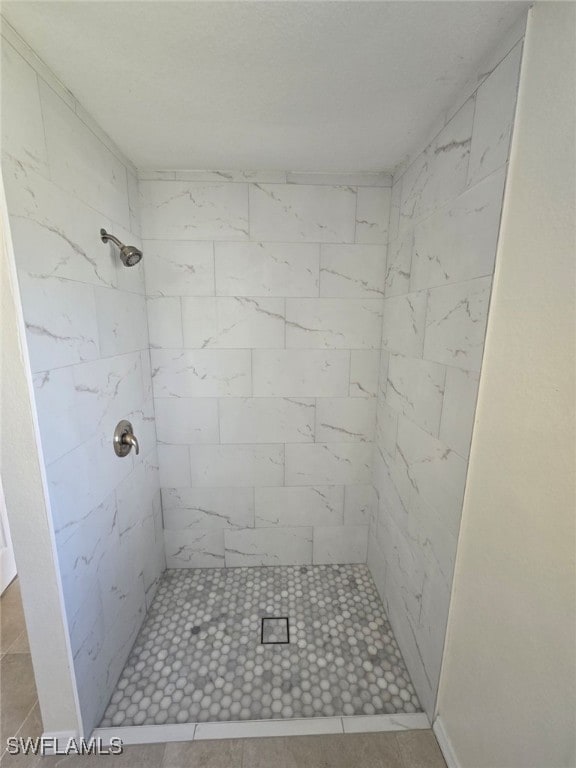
[{"x": 227, "y": 652}]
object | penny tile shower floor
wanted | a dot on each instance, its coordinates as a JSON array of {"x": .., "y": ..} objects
[{"x": 204, "y": 654}]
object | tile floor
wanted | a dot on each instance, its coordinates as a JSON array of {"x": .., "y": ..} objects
[
  {"x": 200, "y": 657},
  {"x": 21, "y": 716}
]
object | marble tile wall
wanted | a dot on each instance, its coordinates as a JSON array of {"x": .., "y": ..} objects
[
  {"x": 443, "y": 230},
  {"x": 86, "y": 324},
  {"x": 265, "y": 296}
]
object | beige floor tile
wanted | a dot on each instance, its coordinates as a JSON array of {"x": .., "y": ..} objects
[
  {"x": 17, "y": 693},
  {"x": 141, "y": 756},
  {"x": 204, "y": 754},
  {"x": 371, "y": 750},
  {"x": 419, "y": 749},
  {"x": 12, "y": 624}
]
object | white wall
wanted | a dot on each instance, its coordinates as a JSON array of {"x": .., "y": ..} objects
[
  {"x": 445, "y": 215},
  {"x": 507, "y": 693},
  {"x": 87, "y": 337},
  {"x": 265, "y": 309}
]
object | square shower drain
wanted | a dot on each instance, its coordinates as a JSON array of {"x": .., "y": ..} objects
[{"x": 275, "y": 630}]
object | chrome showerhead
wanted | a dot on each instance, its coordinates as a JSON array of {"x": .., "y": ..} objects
[{"x": 129, "y": 254}]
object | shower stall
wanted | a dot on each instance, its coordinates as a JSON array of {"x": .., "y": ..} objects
[{"x": 287, "y": 364}]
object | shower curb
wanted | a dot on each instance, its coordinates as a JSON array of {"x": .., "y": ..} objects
[{"x": 249, "y": 729}]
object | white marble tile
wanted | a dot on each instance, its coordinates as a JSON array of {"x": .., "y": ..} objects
[
  {"x": 392, "y": 486},
  {"x": 300, "y": 213},
  {"x": 456, "y": 323},
  {"x": 328, "y": 464},
  {"x": 178, "y": 268},
  {"x": 458, "y": 411},
  {"x": 55, "y": 234},
  {"x": 236, "y": 465},
  {"x": 386, "y": 428},
  {"x": 436, "y": 537},
  {"x": 201, "y": 373},
  {"x": 340, "y": 544},
  {"x": 439, "y": 173},
  {"x": 187, "y": 420},
  {"x": 268, "y": 546},
  {"x": 174, "y": 465},
  {"x": 459, "y": 241},
  {"x": 333, "y": 323},
  {"x": 134, "y": 501},
  {"x": 80, "y": 163},
  {"x": 403, "y": 565},
  {"x": 359, "y": 501},
  {"x": 433, "y": 470},
  {"x": 266, "y": 269},
  {"x": 383, "y": 373},
  {"x": 399, "y": 264},
  {"x": 352, "y": 271},
  {"x": 134, "y": 203},
  {"x": 208, "y": 508},
  {"x": 264, "y": 728},
  {"x": 494, "y": 117},
  {"x": 55, "y": 397},
  {"x": 194, "y": 548},
  {"x": 267, "y": 177},
  {"x": 403, "y": 324},
  {"x": 188, "y": 210},
  {"x": 395, "y": 201},
  {"x": 165, "y": 322},
  {"x": 345, "y": 419},
  {"x": 233, "y": 323},
  {"x": 81, "y": 479},
  {"x": 294, "y": 506},
  {"x": 382, "y": 723},
  {"x": 416, "y": 389},
  {"x": 364, "y": 365},
  {"x": 21, "y": 138},
  {"x": 106, "y": 391},
  {"x": 300, "y": 373},
  {"x": 267, "y": 420},
  {"x": 80, "y": 548},
  {"x": 372, "y": 214},
  {"x": 369, "y": 179},
  {"x": 60, "y": 318},
  {"x": 122, "y": 321}
]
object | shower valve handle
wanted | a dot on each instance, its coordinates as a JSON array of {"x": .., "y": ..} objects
[
  {"x": 132, "y": 441},
  {"x": 124, "y": 439}
]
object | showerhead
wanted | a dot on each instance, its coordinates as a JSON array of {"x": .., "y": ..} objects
[{"x": 129, "y": 254}]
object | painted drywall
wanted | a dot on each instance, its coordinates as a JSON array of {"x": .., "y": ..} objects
[
  {"x": 304, "y": 85},
  {"x": 88, "y": 342},
  {"x": 445, "y": 215},
  {"x": 507, "y": 692},
  {"x": 28, "y": 507},
  {"x": 265, "y": 314}
]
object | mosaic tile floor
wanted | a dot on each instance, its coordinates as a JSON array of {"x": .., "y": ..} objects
[{"x": 200, "y": 656}]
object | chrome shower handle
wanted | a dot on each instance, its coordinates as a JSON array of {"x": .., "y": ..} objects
[
  {"x": 132, "y": 441},
  {"x": 124, "y": 439}
]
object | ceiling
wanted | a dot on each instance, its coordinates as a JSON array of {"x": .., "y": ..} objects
[{"x": 323, "y": 86}]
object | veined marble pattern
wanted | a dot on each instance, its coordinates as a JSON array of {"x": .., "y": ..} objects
[
  {"x": 199, "y": 655},
  {"x": 265, "y": 296},
  {"x": 86, "y": 324},
  {"x": 444, "y": 220}
]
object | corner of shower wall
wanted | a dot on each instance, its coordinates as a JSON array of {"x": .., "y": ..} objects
[
  {"x": 87, "y": 335},
  {"x": 445, "y": 215},
  {"x": 265, "y": 312}
]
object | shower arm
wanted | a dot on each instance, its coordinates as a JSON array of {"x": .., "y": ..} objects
[{"x": 106, "y": 236}]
